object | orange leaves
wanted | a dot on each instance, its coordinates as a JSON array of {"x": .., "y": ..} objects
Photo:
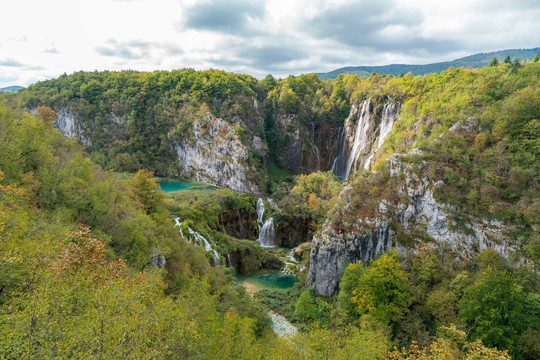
[
  {"x": 143, "y": 191},
  {"x": 46, "y": 114},
  {"x": 313, "y": 202},
  {"x": 84, "y": 252}
]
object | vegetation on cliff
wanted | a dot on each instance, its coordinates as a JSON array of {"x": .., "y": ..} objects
[{"x": 79, "y": 244}]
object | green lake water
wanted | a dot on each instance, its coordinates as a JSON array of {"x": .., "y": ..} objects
[
  {"x": 268, "y": 279},
  {"x": 170, "y": 186}
]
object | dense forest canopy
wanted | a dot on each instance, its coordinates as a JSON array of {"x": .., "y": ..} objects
[{"x": 82, "y": 221}]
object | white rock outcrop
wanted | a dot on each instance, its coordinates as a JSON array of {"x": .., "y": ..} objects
[
  {"x": 332, "y": 248},
  {"x": 216, "y": 155}
]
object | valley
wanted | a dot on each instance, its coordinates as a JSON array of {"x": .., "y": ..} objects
[{"x": 278, "y": 218}]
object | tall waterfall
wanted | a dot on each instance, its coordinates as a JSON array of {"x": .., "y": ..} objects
[
  {"x": 387, "y": 121},
  {"x": 195, "y": 238},
  {"x": 360, "y": 137},
  {"x": 267, "y": 232}
]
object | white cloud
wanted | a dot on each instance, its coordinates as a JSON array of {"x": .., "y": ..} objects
[{"x": 42, "y": 39}]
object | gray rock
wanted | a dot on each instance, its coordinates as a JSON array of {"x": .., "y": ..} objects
[
  {"x": 216, "y": 155},
  {"x": 333, "y": 249}
]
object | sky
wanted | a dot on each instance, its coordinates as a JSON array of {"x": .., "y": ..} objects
[{"x": 42, "y": 39}]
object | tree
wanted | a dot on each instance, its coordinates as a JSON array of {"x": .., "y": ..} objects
[
  {"x": 450, "y": 345},
  {"x": 494, "y": 62},
  {"x": 144, "y": 191},
  {"x": 494, "y": 309},
  {"x": 507, "y": 60},
  {"x": 536, "y": 58},
  {"x": 46, "y": 114},
  {"x": 306, "y": 308},
  {"x": 383, "y": 290}
]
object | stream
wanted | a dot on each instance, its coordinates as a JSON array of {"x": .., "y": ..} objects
[
  {"x": 270, "y": 279},
  {"x": 263, "y": 279}
]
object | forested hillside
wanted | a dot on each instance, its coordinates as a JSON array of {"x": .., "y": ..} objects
[
  {"x": 472, "y": 61},
  {"x": 407, "y": 207}
]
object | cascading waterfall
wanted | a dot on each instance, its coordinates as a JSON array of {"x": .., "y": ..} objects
[
  {"x": 292, "y": 266},
  {"x": 360, "y": 137},
  {"x": 196, "y": 238},
  {"x": 312, "y": 139},
  {"x": 267, "y": 235},
  {"x": 267, "y": 232}
]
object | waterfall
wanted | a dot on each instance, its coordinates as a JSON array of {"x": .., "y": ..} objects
[
  {"x": 267, "y": 235},
  {"x": 292, "y": 266},
  {"x": 364, "y": 146},
  {"x": 340, "y": 161},
  {"x": 388, "y": 118},
  {"x": 312, "y": 139},
  {"x": 267, "y": 232},
  {"x": 360, "y": 137},
  {"x": 260, "y": 212},
  {"x": 195, "y": 238},
  {"x": 229, "y": 262}
]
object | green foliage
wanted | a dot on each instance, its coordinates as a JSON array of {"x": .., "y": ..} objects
[
  {"x": 450, "y": 345},
  {"x": 368, "y": 341},
  {"x": 495, "y": 309},
  {"x": 382, "y": 289},
  {"x": 306, "y": 308},
  {"x": 128, "y": 114},
  {"x": 312, "y": 197}
]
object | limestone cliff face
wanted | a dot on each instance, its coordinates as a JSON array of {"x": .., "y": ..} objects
[
  {"x": 216, "y": 155},
  {"x": 68, "y": 122},
  {"x": 301, "y": 153},
  {"x": 333, "y": 248}
]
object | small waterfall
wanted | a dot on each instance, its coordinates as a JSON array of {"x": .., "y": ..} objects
[
  {"x": 260, "y": 212},
  {"x": 292, "y": 266},
  {"x": 196, "y": 238},
  {"x": 360, "y": 137},
  {"x": 312, "y": 139},
  {"x": 229, "y": 262},
  {"x": 367, "y": 165},
  {"x": 340, "y": 161},
  {"x": 267, "y": 234}
]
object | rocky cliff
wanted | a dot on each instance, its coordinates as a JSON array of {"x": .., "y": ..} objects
[
  {"x": 216, "y": 155},
  {"x": 409, "y": 218},
  {"x": 300, "y": 154}
]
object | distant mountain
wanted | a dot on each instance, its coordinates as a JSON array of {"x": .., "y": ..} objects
[
  {"x": 11, "y": 88},
  {"x": 475, "y": 61}
]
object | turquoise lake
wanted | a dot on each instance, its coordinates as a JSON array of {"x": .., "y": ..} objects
[
  {"x": 268, "y": 279},
  {"x": 170, "y": 186}
]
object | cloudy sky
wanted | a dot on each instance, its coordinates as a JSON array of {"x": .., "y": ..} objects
[{"x": 41, "y": 39}]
